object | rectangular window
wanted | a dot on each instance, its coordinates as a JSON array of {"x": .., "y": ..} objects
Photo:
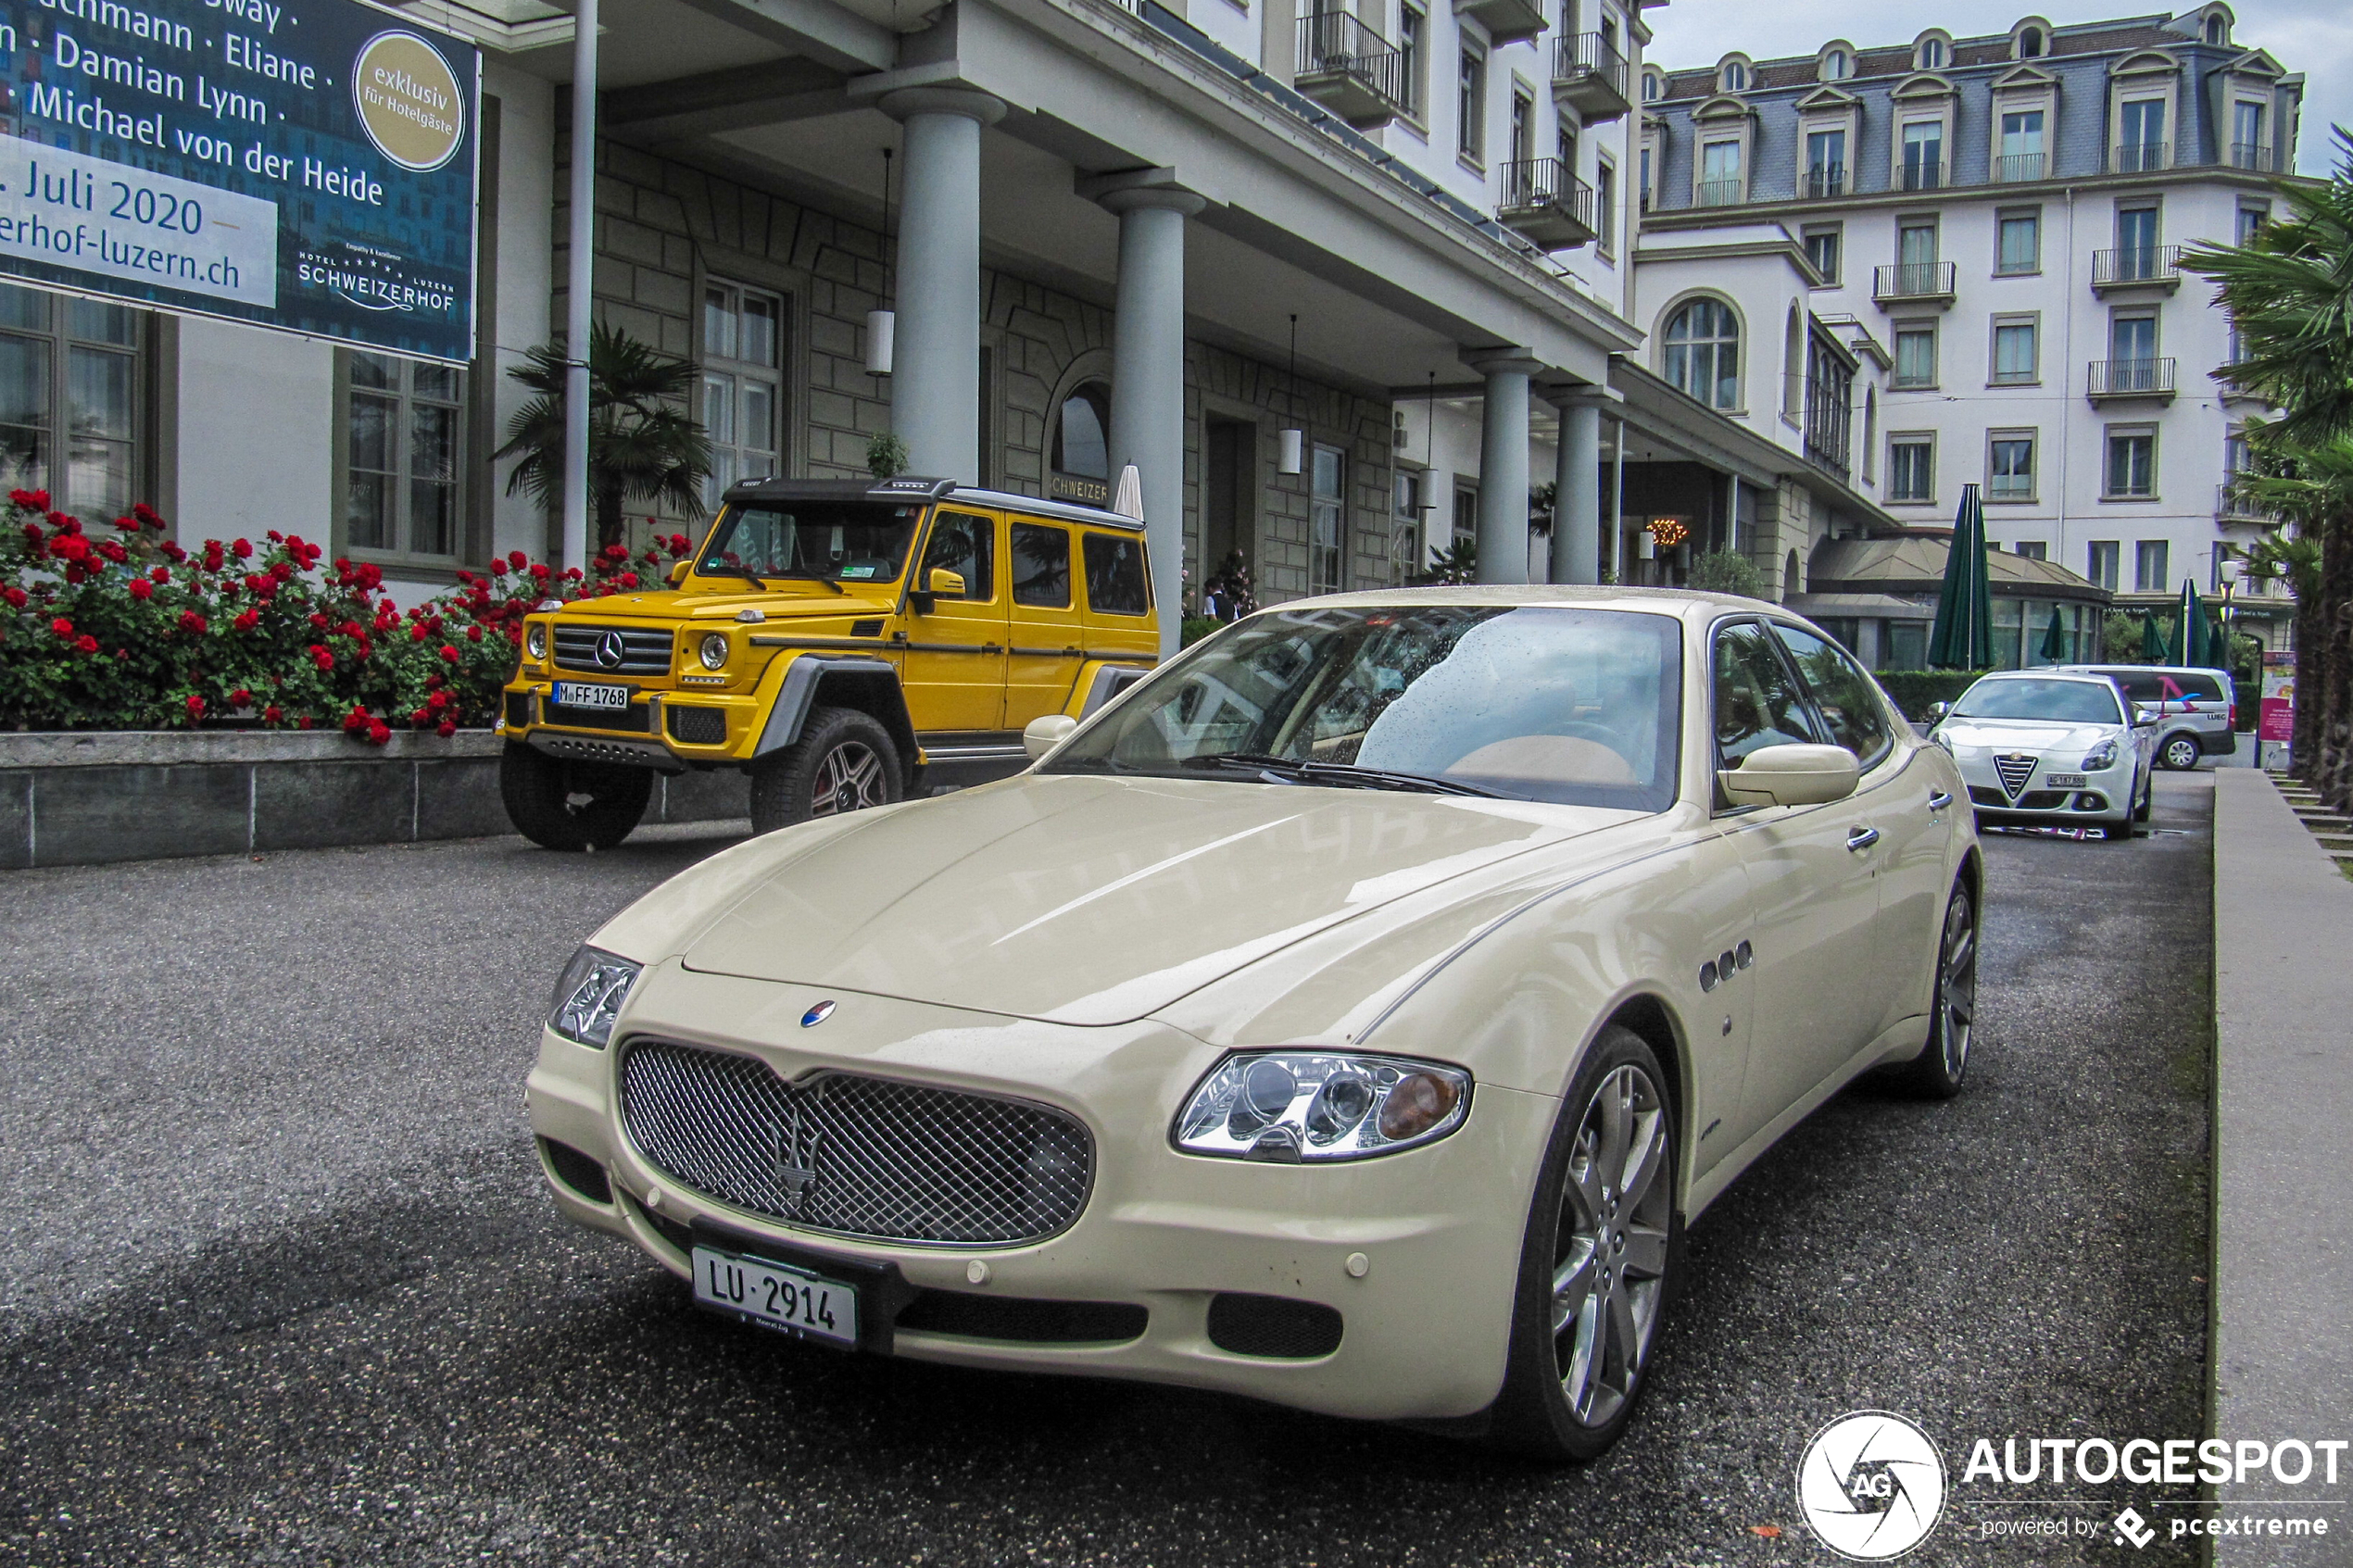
[
  {"x": 1719, "y": 173},
  {"x": 2150, "y": 572},
  {"x": 1605, "y": 202},
  {"x": 1114, "y": 574},
  {"x": 742, "y": 383},
  {"x": 1825, "y": 163},
  {"x": 1413, "y": 33},
  {"x": 1042, "y": 565},
  {"x": 2021, "y": 155},
  {"x": 1916, "y": 244},
  {"x": 2137, "y": 240},
  {"x": 403, "y": 439},
  {"x": 1470, "y": 104},
  {"x": 1564, "y": 143},
  {"x": 2248, "y": 149},
  {"x": 1523, "y": 128},
  {"x": 2140, "y": 142},
  {"x": 2032, "y": 550},
  {"x": 2252, "y": 217},
  {"x": 2099, "y": 562},
  {"x": 2016, "y": 362},
  {"x": 2021, "y": 243},
  {"x": 2133, "y": 339},
  {"x": 1822, "y": 247},
  {"x": 1405, "y": 540},
  {"x": 2132, "y": 465},
  {"x": 70, "y": 372},
  {"x": 1326, "y": 519},
  {"x": 1911, "y": 469},
  {"x": 1924, "y": 154},
  {"x": 2009, "y": 466},
  {"x": 1916, "y": 355},
  {"x": 1650, "y": 183},
  {"x": 1466, "y": 513}
]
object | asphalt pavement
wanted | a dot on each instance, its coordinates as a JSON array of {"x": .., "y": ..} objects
[{"x": 279, "y": 1285}]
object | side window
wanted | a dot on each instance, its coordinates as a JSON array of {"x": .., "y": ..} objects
[
  {"x": 966, "y": 546},
  {"x": 1757, "y": 704},
  {"x": 1115, "y": 574},
  {"x": 1842, "y": 695},
  {"x": 1042, "y": 565}
]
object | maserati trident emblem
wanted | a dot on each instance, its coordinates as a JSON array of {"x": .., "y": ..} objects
[
  {"x": 795, "y": 1158},
  {"x": 610, "y": 650},
  {"x": 816, "y": 1015}
]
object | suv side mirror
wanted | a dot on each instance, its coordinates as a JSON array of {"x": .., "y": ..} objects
[
  {"x": 938, "y": 582},
  {"x": 1792, "y": 775},
  {"x": 1040, "y": 735},
  {"x": 1937, "y": 710},
  {"x": 677, "y": 572}
]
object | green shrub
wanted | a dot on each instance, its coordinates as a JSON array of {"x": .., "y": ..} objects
[
  {"x": 1727, "y": 572},
  {"x": 1914, "y": 690},
  {"x": 1195, "y": 627}
]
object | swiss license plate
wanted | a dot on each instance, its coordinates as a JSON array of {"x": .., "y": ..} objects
[
  {"x": 775, "y": 1295},
  {"x": 581, "y": 693},
  {"x": 2064, "y": 780}
]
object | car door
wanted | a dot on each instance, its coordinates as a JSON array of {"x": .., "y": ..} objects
[
  {"x": 1900, "y": 802},
  {"x": 1044, "y": 651},
  {"x": 954, "y": 669},
  {"x": 1815, "y": 898}
]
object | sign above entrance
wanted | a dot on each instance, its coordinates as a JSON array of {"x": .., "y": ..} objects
[{"x": 307, "y": 165}]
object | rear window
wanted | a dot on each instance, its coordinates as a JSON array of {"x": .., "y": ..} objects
[
  {"x": 2163, "y": 685},
  {"x": 1115, "y": 574},
  {"x": 1042, "y": 565}
]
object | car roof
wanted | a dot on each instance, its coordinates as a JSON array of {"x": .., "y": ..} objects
[
  {"x": 1684, "y": 603},
  {"x": 2050, "y": 671},
  {"x": 916, "y": 487},
  {"x": 2150, "y": 669}
]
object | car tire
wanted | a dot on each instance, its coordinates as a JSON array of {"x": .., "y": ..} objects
[
  {"x": 1937, "y": 1071},
  {"x": 1597, "y": 1268},
  {"x": 843, "y": 761},
  {"x": 2179, "y": 752},
  {"x": 568, "y": 805}
]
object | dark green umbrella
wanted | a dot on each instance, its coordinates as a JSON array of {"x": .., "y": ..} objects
[
  {"x": 2189, "y": 627},
  {"x": 1963, "y": 636},
  {"x": 2054, "y": 647},
  {"x": 2153, "y": 648}
]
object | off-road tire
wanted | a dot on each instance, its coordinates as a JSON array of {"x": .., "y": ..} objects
[
  {"x": 571, "y": 806},
  {"x": 844, "y": 761}
]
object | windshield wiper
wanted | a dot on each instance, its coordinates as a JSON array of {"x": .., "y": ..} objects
[
  {"x": 814, "y": 575},
  {"x": 1343, "y": 775},
  {"x": 734, "y": 569}
]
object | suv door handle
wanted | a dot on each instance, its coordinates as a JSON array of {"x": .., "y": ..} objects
[
  {"x": 1862, "y": 838},
  {"x": 1938, "y": 800}
]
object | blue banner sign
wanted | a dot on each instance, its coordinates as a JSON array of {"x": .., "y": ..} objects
[{"x": 307, "y": 165}]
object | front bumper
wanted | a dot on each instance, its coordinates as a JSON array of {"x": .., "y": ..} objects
[
  {"x": 2105, "y": 795},
  {"x": 1424, "y": 1327}
]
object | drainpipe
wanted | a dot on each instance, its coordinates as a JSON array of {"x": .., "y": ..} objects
[{"x": 579, "y": 281}]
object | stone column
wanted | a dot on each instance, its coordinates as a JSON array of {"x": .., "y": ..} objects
[
  {"x": 1502, "y": 464},
  {"x": 1148, "y": 373},
  {"x": 935, "y": 393},
  {"x": 1576, "y": 492}
]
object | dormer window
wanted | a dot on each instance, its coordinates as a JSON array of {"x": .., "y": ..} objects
[
  {"x": 2030, "y": 42},
  {"x": 1653, "y": 87},
  {"x": 2217, "y": 31},
  {"x": 1930, "y": 53},
  {"x": 1837, "y": 65},
  {"x": 1732, "y": 77}
]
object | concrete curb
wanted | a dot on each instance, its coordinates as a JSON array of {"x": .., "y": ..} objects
[{"x": 2283, "y": 1283}]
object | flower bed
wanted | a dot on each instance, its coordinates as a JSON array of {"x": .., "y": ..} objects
[{"x": 120, "y": 628}]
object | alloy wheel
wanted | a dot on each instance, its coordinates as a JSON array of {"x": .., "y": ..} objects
[
  {"x": 849, "y": 778},
  {"x": 1609, "y": 1262},
  {"x": 1957, "y": 983}
]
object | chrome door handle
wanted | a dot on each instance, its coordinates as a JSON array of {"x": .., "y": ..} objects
[
  {"x": 1862, "y": 838},
  {"x": 1938, "y": 800}
]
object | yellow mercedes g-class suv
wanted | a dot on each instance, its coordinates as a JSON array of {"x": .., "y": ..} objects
[{"x": 847, "y": 642}]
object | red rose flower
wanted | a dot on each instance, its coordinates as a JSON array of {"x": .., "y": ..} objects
[
  {"x": 149, "y": 515},
  {"x": 273, "y": 714},
  {"x": 379, "y": 733},
  {"x": 141, "y": 589},
  {"x": 448, "y": 654},
  {"x": 421, "y": 717},
  {"x": 85, "y": 643},
  {"x": 172, "y": 552},
  {"x": 417, "y": 632},
  {"x": 319, "y": 621},
  {"x": 62, "y": 627},
  {"x": 16, "y": 597},
  {"x": 356, "y": 721},
  {"x": 127, "y": 523},
  {"x": 161, "y": 573},
  {"x": 33, "y": 500},
  {"x": 447, "y": 728},
  {"x": 191, "y": 621},
  {"x": 516, "y": 559},
  {"x": 539, "y": 570},
  {"x": 241, "y": 549},
  {"x": 321, "y": 658},
  {"x": 248, "y": 621},
  {"x": 304, "y": 722},
  {"x": 195, "y": 707},
  {"x": 473, "y": 633},
  {"x": 241, "y": 698}
]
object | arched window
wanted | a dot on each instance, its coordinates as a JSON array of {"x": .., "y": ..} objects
[
  {"x": 1734, "y": 77},
  {"x": 1703, "y": 352},
  {"x": 2030, "y": 44},
  {"x": 1081, "y": 451},
  {"x": 2217, "y": 31},
  {"x": 1835, "y": 65},
  {"x": 1653, "y": 87},
  {"x": 1930, "y": 56}
]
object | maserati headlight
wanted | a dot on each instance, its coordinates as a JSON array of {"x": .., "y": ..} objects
[
  {"x": 1306, "y": 1105},
  {"x": 2100, "y": 758},
  {"x": 713, "y": 651},
  {"x": 534, "y": 639},
  {"x": 589, "y": 995}
]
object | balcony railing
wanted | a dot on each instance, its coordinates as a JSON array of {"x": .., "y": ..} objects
[
  {"x": 1546, "y": 205},
  {"x": 2012, "y": 168},
  {"x": 1923, "y": 174},
  {"x": 1826, "y": 179},
  {"x": 2232, "y": 507},
  {"x": 1913, "y": 280},
  {"x": 2129, "y": 378},
  {"x": 1828, "y": 419},
  {"x": 1350, "y": 69},
  {"x": 2160, "y": 265},
  {"x": 2138, "y": 157},
  {"x": 1590, "y": 75},
  {"x": 2253, "y": 154},
  {"x": 1721, "y": 192}
]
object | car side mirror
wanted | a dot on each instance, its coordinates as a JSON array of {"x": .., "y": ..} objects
[
  {"x": 677, "y": 572},
  {"x": 1937, "y": 710},
  {"x": 1792, "y": 775},
  {"x": 938, "y": 583},
  {"x": 2143, "y": 718},
  {"x": 1042, "y": 734}
]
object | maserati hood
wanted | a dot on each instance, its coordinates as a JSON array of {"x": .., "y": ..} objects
[{"x": 1095, "y": 900}]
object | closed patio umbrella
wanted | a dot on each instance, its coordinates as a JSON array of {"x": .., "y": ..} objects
[
  {"x": 2054, "y": 647},
  {"x": 2153, "y": 648},
  {"x": 1963, "y": 636},
  {"x": 2189, "y": 628}
]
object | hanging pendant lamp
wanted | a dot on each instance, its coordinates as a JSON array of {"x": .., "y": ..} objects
[
  {"x": 882, "y": 325},
  {"x": 1294, "y": 456}
]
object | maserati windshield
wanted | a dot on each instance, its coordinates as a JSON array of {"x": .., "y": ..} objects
[
  {"x": 846, "y": 541},
  {"x": 2056, "y": 702},
  {"x": 1535, "y": 703}
]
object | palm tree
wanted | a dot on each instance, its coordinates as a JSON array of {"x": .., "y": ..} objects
[
  {"x": 640, "y": 445},
  {"x": 2290, "y": 293},
  {"x": 2308, "y": 489}
]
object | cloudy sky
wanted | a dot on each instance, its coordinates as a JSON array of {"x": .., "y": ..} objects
[{"x": 2311, "y": 36}]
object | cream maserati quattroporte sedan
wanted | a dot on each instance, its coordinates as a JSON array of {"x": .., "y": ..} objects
[{"x": 1352, "y": 1014}]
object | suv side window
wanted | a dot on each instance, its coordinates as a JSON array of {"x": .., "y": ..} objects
[
  {"x": 1115, "y": 574},
  {"x": 1842, "y": 695},
  {"x": 1042, "y": 565},
  {"x": 1757, "y": 703},
  {"x": 966, "y": 546}
]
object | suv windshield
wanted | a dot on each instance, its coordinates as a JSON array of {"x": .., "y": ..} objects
[
  {"x": 2058, "y": 702},
  {"x": 1575, "y": 706},
  {"x": 852, "y": 541}
]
